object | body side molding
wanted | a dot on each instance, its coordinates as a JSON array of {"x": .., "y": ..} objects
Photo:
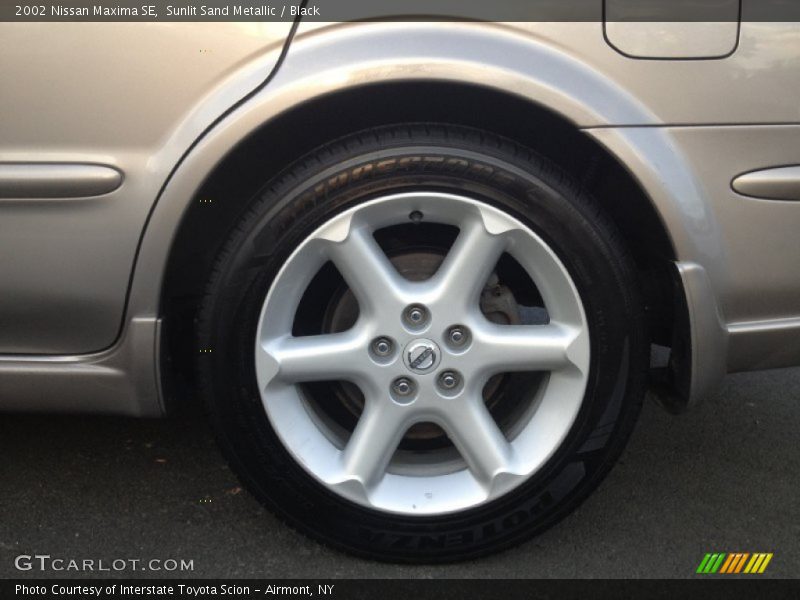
[
  {"x": 780, "y": 183},
  {"x": 57, "y": 180}
]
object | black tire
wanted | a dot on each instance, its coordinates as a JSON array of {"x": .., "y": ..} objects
[{"x": 499, "y": 172}]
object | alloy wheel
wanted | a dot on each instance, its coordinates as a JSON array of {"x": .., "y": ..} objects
[{"x": 422, "y": 352}]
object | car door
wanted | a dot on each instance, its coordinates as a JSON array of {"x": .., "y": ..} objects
[{"x": 94, "y": 118}]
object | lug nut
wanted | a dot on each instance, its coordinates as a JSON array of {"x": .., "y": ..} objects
[
  {"x": 457, "y": 336},
  {"x": 403, "y": 386},
  {"x": 416, "y": 315},
  {"x": 382, "y": 346},
  {"x": 449, "y": 380}
]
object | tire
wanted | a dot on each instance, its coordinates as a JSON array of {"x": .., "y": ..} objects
[{"x": 488, "y": 492}]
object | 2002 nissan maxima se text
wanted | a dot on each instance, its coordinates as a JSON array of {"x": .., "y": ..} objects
[{"x": 416, "y": 271}]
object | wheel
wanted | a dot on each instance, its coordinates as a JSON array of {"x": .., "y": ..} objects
[{"x": 422, "y": 343}]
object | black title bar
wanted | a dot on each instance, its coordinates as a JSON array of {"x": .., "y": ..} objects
[{"x": 419, "y": 10}]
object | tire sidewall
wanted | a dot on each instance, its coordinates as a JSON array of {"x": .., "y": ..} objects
[{"x": 532, "y": 191}]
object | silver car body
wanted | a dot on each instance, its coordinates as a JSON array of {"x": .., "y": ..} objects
[{"x": 105, "y": 146}]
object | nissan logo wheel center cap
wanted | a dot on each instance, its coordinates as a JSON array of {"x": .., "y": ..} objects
[{"x": 421, "y": 356}]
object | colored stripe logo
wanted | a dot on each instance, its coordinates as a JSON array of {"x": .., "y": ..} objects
[{"x": 734, "y": 563}]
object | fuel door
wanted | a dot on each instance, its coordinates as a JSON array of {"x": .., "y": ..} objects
[{"x": 673, "y": 29}]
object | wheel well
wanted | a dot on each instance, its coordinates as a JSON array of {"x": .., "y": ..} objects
[{"x": 235, "y": 180}]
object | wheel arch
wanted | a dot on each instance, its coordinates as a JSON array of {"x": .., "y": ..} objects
[
  {"x": 302, "y": 108},
  {"x": 234, "y": 180}
]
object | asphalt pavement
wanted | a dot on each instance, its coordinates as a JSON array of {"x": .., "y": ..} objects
[{"x": 724, "y": 478}]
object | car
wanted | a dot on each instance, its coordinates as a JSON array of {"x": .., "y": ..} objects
[{"x": 420, "y": 274}]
